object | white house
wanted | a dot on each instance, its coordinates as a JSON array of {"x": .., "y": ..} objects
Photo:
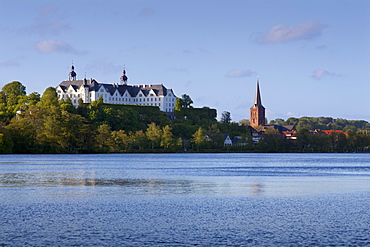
[{"x": 116, "y": 93}]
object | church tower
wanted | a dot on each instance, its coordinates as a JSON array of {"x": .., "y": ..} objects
[{"x": 257, "y": 111}]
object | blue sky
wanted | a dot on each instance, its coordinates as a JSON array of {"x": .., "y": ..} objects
[{"x": 312, "y": 57}]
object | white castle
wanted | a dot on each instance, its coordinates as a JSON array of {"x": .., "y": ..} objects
[{"x": 116, "y": 93}]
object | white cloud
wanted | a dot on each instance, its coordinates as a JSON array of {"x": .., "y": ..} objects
[
  {"x": 48, "y": 46},
  {"x": 319, "y": 74},
  {"x": 238, "y": 73},
  {"x": 284, "y": 33}
]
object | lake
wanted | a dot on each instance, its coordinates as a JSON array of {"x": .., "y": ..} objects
[{"x": 185, "y": 200}]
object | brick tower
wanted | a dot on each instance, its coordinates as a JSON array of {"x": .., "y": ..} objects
[{"x": 257, "y": 111}]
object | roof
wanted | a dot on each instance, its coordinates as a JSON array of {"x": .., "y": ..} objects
[
  {"x": 257, "y": 99},
  {"x": 133, "y": 90}
]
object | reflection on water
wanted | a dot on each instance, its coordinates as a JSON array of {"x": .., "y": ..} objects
[
  {"x": 186, "y": 174},
  {"x": 128, "y": 185},
  {"x": 185, "y": 200}
]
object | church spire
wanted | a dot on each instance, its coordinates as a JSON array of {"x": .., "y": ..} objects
[
  {"x": 257, "y": 98},
  {"x": 257, "y": 111}
]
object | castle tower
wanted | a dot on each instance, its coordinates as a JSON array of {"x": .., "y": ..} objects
[
  {"x": 257, "y": 111},
  {"x": 124, "y": 78},
  {"x": 72, "y": 75}
]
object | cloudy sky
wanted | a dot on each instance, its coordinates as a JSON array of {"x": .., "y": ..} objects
[{"x": 312, "y": 57}]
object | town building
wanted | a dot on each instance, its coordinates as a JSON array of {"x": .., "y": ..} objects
[
  {"x": 258, "y": 121},
  {"x": 90, "y": 90},
  {"x": 257, "y": 111}
]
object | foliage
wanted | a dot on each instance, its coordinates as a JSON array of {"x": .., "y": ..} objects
[
  {"x": 226, "y": 117},
  {"x": 42, "y": 124},
  {"x": 199, "y": 139},
  {"x": 185, "y": 101}
]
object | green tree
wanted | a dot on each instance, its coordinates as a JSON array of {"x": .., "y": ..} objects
[
  {"x": 244, "y": 122},
  {"x": 178, "y": 105},
  {"x": 15, "y": 87},
  {"x": 12, "y": 94},
  {"x": 76, "y": 133},
  {"x": 138, "y": 140},
  {"x": 278, "y": 121},
  {"x": 304, "y": 140},
  {"x": 6, "y": 142},
  {"x": 121, "y": 139},
  {"x": 49, "y": 98},
  {"x": 154, "y": 133},
  {"x": 104, "y": 139},
  {"x": 321, "y": 143},
  {"x": 216, "y": 138},
  {"x": 23, "y": 131},
  {"x": 226, "y": 117},
  {"x": 167, "y": 139},
  {"x": 96, "y": 112},
  {"x": 186, "y": 101},
  {"x": 199, "y": 139},
  {"x": 66, "y": 105},
  {"x": 292, "y": 121}
]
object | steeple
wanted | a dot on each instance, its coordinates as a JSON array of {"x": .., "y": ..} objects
[
  {"x": 72, "y": 75},
  {"x": 257, "y": 111},
  {"x": 257, "y": 98},
  {"x": 124, "y": 78}
]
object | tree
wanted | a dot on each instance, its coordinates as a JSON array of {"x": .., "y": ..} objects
[
  {"x": 96, "y": 112},
  {"x": 12, "y": 93},
  {"x": 16, "y": 88},
  {"x": 6, "y": 143},
  {"x": 178, "y": 105},
  {"x": 167, "y": 137},
  {"x": 244, "y": 122},
  {"x": 278, "y": 121},
  {"x": 292, "y": 121},
  {"x": 199, "y": 138},
  {"x": 104, "y": 138},
  {"x": 66, "y": 105},
  {"x": 226, "y": 117},
  {"x": 121, "y": 139},
  {"x": 138, "y": 140},
  {"x": 216, "y": 138},
  {"x": 49, "y": 98},
  {"x": 186, "y": 101},
  {"x": 154, "y": 133}
]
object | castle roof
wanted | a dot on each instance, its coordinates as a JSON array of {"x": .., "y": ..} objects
[{"x": 111, "y": 88}]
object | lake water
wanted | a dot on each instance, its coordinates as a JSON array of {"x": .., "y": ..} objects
[{"x": 185, "y": 200}]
